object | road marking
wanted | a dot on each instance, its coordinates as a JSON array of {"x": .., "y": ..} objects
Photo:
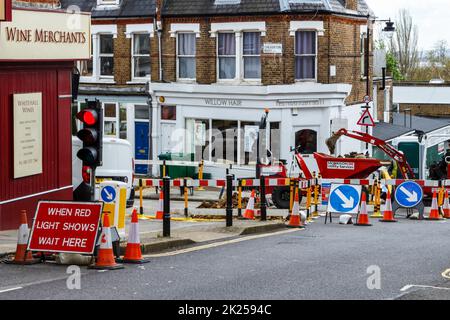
[
  {"x": 409, "y": 286},
  {"x": 219, "y": 244},
  {"x": 11, "y": 289},
  {"x": 446, "y": 274}
]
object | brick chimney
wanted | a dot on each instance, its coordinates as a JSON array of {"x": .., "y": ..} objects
[
  {"x": 159, "y": 5},
  {"x": 351, "y": 4},
  {"x": 47, "y": 4}
]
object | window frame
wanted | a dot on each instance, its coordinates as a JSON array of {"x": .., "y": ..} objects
[
  {"x": 315, "y": 55},
  {"x": 242, "y": 72},
  {"x": 236, "y": 71},
  {"x": 178, "y": 56},
  {"x": 101, "y": 55},
  {"x": 115, "y": 119},
  {"x": 133, "y": 55}
]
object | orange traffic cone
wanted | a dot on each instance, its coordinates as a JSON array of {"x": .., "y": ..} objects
[
  {"x": 105, "y": 254},
  {"x": 295, "y": 220},
  {"x": 434, "y": 213},
  {"x": 22, "y": 255},
  {"x": 388, "y": 215},
  {"x": 133, "y": 253},
  {"x": 160, "y": 212},
  {"x": 363, "y": 217},
  {"x": 446, "y": 206},
  {"x": 249, "y": 213}
]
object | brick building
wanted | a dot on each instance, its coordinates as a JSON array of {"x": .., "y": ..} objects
[{"x": 215, "y": 65}]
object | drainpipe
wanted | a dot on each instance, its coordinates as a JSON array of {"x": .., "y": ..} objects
[{"x": 159, "y": 30}]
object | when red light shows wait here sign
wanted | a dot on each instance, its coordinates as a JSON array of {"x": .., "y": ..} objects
[{"x": 70, "y": 227}]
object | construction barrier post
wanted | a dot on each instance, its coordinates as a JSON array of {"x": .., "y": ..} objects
[
  {"x": 291, "y": 195},
  {"x": 263, "y": 198},
  {"x": 164, "y": 169},
  {"x": 316, "y": 196},
  {"x": 309, "y": 202},
  {"x": 200, "y": 174},
  {"x": 141, "y": 198},
  {"x": 240, "y": 198},
  {"x": 166, "y": 216},
  {"x": 186, "y": 199},
  {"x": 229, "y": 210},
  {"x": 441, "y": 194}
]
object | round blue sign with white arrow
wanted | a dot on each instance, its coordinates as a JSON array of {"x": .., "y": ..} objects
[
  {"x": 344, "y": 199},
  {"x": 108, "y": 194},
  {"x": 409, "y": 194}
]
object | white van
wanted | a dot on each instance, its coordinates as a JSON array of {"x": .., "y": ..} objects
[{"x": 118, "y": 165}]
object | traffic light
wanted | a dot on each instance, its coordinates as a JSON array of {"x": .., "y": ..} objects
[{"x": 91, "y": 135}]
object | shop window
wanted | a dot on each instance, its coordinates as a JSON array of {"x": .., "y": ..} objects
[
  {"x": 227, "y": 55},
  {"x": 186, "y": 56},
  {"x": 141, "y": 112},
  {"x": 305, "y": 55},
  {"x": 249, "y": 141},
  {"x": 123, "y": 121},
  {"x": 141, "y": 55},
  {"x": 306, "y": 141},
  {"x": 252, "y": 55},
  {"x": 224, "y": 144},
  {"x": 168, "y": 113},
  {"x": 106, "y": 55}
]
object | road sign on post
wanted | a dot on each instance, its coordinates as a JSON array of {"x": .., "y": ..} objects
[
  {"x": 366, "y": 119},
  {"x": 344, "y": 199},
  {"x": 69, "y": 227},
  {"x": 114, "y": 196},
  {"x": 409, "y": 195}
]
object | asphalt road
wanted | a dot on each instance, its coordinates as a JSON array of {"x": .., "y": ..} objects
[{"x": 321, "y": 262}]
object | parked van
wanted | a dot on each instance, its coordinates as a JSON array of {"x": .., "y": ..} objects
[{"x": 118, "y": 165}]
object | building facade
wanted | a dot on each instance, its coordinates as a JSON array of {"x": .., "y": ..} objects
[{"x": 213, "y": 67}]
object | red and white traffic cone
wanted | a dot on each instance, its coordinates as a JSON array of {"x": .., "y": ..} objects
[
  {"x": 434, "y": 212},
  {"x": 295, "y": 220},
  {"x": 133, "y": 252},
  {"x": 249, "y": 213},
  {"x": 160, "y": 211},
  {"x": 388, "y": 215},
  {"x": 446, "y": 206},
  {"x": 105, "y": 255},
  {"x": 23, "y": 256},
  {"x": 363, "y": 217}
]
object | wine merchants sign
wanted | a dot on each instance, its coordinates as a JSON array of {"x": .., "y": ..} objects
[
  {"x": 27, "y": 134},
  {"x": 70, "y": 227},
  {"x": 45, "y": 35}
]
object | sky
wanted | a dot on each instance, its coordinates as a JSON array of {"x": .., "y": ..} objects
[{"x": 430, "y": 16}]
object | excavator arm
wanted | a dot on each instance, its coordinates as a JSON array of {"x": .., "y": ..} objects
[{"x": 393, "y": 153}]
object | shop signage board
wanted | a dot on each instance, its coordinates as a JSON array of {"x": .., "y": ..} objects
[
  {"x": 27, "y": 134},
  {"x": 70, "y": 227},
  {"x": 45, "y": 35}
]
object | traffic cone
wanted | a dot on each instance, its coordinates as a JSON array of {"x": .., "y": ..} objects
[
  {"x": 160, "y": 212},
  {"x": 363, "y": 217},
  {"x": 434, "y": 213},
  {"x": 249, "y": 213},
  {"x": 295, "y": 220},
  {"x": 388, "y": 215},
  {"x": 133, "y": 253},
  {"x": 105, "y": 255},
  {"x": 22, "y": 255},
  {"x": 446, "y": 206}
]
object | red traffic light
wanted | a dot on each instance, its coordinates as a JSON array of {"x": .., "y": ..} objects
[{"x": 88, "y": 116}]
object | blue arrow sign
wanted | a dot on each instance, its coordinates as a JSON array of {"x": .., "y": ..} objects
[
  {"x": 344, "y": 199},
  {"x": 409, "y": 194},
  {"x": 108, "y": 194}
]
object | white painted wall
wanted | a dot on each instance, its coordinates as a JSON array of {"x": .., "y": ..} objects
[{"x": 422, "y": 95}]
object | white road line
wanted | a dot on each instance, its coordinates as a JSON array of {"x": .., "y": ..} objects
[
  {"x": 10, "y": 289},
  {"x": 409, "y": 286},
  {"x": 446, "y": 274},
  {"x": 219, "y": 244}
]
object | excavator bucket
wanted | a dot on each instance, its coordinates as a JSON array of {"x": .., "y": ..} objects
[{"x": 331, "y": 142}]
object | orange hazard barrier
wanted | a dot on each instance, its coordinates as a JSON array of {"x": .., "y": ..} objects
[
  {"x": 105, "y": 256},
  {"x": 363, "y": 217},
  {"x": 23, "y": 256},
  {"x": 295, "y": 220},
  {"x": 434, "y": 213},
  {"x": 133, "y": 252},
  {"x": 446, "y": 206},
  {"x": 159, "y": 212},
  {"x": 249, "y": 213},
  {"x": 388, "y": 215}
]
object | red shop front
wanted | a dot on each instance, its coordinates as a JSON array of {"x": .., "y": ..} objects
[{"x": 37, "y": 53}]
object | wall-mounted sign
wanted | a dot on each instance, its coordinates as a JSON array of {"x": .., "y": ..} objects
[
  {"x": 44, "y": 35},
  {"x": 27, "y": 134},
  {"x": 5, "y": 10},
  {"x": 223, "y": 102},
  {"x": 273, "y": 48},
  {"x": 300, "y": 103}
]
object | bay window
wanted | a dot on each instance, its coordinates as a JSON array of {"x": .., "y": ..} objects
[
  {"x": 141, "y": 55},
  {"x": 186, "y": 55},
  {"x": 305, "y": 55},
  {"x": 251, "y": 52},
  {"x": 227, "y": 55}
]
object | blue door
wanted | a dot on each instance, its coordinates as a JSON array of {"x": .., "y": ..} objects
[{"x": 142, "y": 151}]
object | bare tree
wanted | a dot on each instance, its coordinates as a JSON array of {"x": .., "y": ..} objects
[{"x": 404, "y": 43}]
